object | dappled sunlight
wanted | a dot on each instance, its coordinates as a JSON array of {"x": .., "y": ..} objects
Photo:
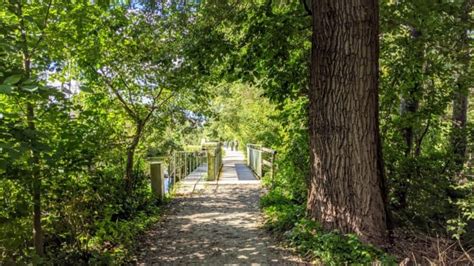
[
  {"x": 219, "y": 224},
  {"x": 204, "y": 132}
]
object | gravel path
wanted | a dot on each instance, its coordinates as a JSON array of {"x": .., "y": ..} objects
[{"x": 215, "y": 223}]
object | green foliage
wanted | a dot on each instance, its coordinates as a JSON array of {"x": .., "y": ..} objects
[
  {"x": 459, "y": 226},
  {"x": 332, "y": 248},
  {"x": 227, "y": 70},
  {"x": 266, "y": 45},
  {"x": 238, "y": 111},
  {"x": 293, "y": 153},
  {"x": 287, "y": 218},
  {"x": 419, "y": 67},
  {"x": 58, "y": 58},
  {"x": 282, "y": 212},
  {"x": 90, "y": 219}
]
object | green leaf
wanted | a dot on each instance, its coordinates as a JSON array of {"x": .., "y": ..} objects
[
  {"x": 29, "y": 18},
  {"x": 12, "y": 80},
  {"x": 30, "y": 88},
  {"x": 86, "y": 89},
  {"x": 5, "y": 89}
]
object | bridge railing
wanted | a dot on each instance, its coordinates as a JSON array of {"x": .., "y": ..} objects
[
  {"x": 182, "y": 163},
  {"x": 261, "y": 160},
  {"x": 165, "y": 171}
]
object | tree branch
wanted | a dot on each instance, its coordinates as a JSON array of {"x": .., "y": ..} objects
[
  {"x": 26, "y": 53},
  {"x": 420, "y": 140},
  {"x": 119, "y": 96},
  {"x": 45, "y": 24},
  {"x": 129, "y": 92},
  {"x": 154, "y": 107},
  {"x": 306, "y": 7},
  {"x": 156, "y": 97}
]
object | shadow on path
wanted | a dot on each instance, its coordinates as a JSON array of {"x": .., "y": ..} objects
[{"x": 219, "y": 225}]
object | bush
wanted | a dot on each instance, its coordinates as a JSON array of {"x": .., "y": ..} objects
[
  {"x": 332, "y": 248},
  {"x": 288, "y": 219},
  {"x": 89, "y": 218},
  {"x": 281, "y": 214}
]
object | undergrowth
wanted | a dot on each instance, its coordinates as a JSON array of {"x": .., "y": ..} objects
[
  {"x": 289, "y": 221},
  {"x": 95, "y": 221}
]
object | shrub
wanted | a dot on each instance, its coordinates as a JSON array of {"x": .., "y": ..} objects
[{"x": 288, "y": 219}]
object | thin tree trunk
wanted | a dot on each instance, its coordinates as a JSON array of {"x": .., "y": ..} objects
[
  {"x": 131, "y": 154},
  {"x": 459, "y": 120},
  {"x": 36, "y": 172},
  {"x": 408, "y": 109},
  {"x": 35, "y": 156},
  {"x": 409, "y": 103},
  {"x": 460, "y": 101},
  {"x": 37, "y": 229},
  {"x": 347, "y": 187}
]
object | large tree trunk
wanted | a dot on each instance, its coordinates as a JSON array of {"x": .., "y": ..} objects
[
  {"x": 460, "y": 101},
  {"x": 347, "y": 188}
]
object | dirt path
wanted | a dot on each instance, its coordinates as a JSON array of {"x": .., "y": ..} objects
[{"x": 218, "y": 223}]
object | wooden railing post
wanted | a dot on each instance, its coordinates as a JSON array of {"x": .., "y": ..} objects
[
  {"x": 174, "y": 169},
  {"x": 185, "y": 164},
  {"x": 190, "y": 163},
  {"x": 211, "y": 163},
  {"x": 272, "y": 169},
  {"x": 214, "y": 160},
  {"x": 157, "y": 179},
  {"x": 196, "y": 160},
  {"x": 178, "y": 165},
  {"x": 249, "y": 160},
  {"x": 182, "y": 166}
]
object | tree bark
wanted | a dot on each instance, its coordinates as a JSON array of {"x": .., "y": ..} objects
[
  {"x": 347, "y": 187},
  {"x": 408, "y": 109},
  {"x": 37, "y": 229},
  {"x": 460, "y": 100},
  {"x": 409, "y": 103},
  {"x": 459, "y": 120},
  {"x": 33, "y": 141},
  {"x": 131, "y": 155}
]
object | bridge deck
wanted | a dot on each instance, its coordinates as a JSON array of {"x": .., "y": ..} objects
[
  {"x": 234, "y": 171},
  {"x": 214, "y": 223}
]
